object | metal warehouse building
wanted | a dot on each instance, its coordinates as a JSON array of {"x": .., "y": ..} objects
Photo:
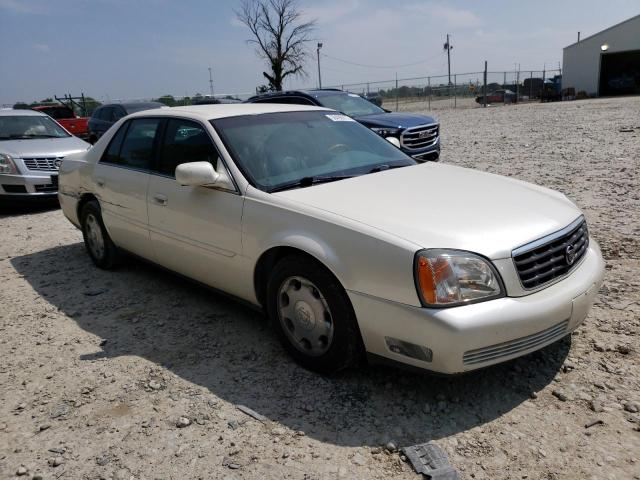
[{"x": 607, "y": 63}]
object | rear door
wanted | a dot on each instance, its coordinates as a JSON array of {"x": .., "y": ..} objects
[
  {"x": 195, "y": 231},
  {"x": 122, "y": 180}
]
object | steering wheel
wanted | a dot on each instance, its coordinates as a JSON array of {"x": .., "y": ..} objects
[
  {"x": 338, "y": 148},
  {"x": 286, "y": 156}
]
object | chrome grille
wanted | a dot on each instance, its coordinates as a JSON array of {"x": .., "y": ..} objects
[
  {"x": 512, "y": 347},
  {"x": 553, "y": 256},
  {"x": 46, "y": 164},
  {"x": 419, "y": 137}
]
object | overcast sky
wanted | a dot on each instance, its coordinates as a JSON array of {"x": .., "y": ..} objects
[{"x": 134, "y": 49}]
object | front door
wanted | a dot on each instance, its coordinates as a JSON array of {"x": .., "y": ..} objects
[{"x": 195, "y": 231}]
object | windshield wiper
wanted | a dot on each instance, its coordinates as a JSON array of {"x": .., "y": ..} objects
[
  {"x": 383, "y": 167},
  {"x": 308, "y": 181},
  {"x": 23, "y": 137}
]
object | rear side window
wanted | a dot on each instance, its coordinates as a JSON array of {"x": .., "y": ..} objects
[
  {"x": 185, "y": 141},
  {"x": 97, "y": 112},
  {"x": 59, "y": 113},
  {"x": 118, "y": 113},
  {"x": 112, "y": 154},
  {"x": 105, "y": 114},
  {"x": 135, "y": 148}
]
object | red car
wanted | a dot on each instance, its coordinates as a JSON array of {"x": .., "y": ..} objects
[{"x": 66, "y": 117}]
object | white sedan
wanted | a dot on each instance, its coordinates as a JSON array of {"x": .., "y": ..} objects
[{"x": 348, "y": 245}]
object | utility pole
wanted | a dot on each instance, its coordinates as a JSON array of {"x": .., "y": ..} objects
[
  {"x": 319, "y": 75},
  {"x": 448, "y": 47},
  {"x": 517, "y": 81},
  {"x": 578, "y": 37},
  {"x": 484, "y": 87},
  {"x": 210, "y": 82}
]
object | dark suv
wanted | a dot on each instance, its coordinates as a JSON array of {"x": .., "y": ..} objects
[
  {"x": 106, "y": 115},
  {"x": 417, "y": 135}
]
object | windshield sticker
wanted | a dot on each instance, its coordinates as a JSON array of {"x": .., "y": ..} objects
[{"x": 340, "y": 118}]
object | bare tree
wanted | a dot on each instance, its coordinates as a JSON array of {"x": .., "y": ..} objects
[{"x": 280, "y": 35}]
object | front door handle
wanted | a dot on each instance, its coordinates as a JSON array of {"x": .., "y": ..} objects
[
  {"x": 100, "y": 182},
  {"x": 160, "y": 199}
]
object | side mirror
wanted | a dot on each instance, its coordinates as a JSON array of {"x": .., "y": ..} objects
[{"x": 196, "y": 174}]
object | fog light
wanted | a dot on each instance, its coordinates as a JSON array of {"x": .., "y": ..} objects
[
  {"x": 409, "y": 349},
  {"x": 393, "y": 141}
]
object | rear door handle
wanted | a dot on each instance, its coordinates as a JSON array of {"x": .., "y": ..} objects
[
  {"x": 100, "y": 182},
  {"x": 160, "y": 199}
]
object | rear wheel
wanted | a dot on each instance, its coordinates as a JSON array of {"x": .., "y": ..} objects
[
  {"x": 313, "y": 315},
  {"x": 99, "y": 245}
]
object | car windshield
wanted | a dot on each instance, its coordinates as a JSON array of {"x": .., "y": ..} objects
[
  {"x": 14, "y": 127},
  {"x": 350, "y": 104},
  {"x": 277, "y": 150}
]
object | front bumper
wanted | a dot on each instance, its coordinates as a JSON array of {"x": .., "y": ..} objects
[
  {"x": 465, "y": 338},
  {"x": 430, "y": 153},
  {"x": 27, "y": 186}
]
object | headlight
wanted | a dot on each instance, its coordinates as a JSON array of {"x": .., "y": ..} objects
[
  {"x": 387, "y": 131},
  {"x": 447, "y": 278},
  {"x": 6, "y": 164}
]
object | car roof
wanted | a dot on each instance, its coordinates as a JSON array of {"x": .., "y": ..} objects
[
  {"x": 53, "y": 105},
  {"x": 22, "y": 113},
  {"x": 314, "y": 93},
  {"x": 224, "y": 110},
  {"x": 126, "y": 105}
]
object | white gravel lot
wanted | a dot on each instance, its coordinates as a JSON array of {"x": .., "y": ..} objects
[{"x": 98, "y": 368}]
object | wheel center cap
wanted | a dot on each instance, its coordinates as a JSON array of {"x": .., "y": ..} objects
[{"x": 305, "y": 317}]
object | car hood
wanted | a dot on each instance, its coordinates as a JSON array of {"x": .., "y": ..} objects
[
  {"x": 395, "y": 120},
  {"x": 442, "y": 206},
  {"x": 43, "y": 147}
]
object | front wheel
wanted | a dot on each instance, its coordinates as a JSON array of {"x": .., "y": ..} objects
[
  {"x": 99, "y": 245},
  {"x": 313, "y": 315}
]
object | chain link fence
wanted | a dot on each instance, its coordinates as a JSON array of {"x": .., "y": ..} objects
[{"x": 460, "y": 90}]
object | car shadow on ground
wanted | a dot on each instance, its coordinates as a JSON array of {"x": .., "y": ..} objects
[
  {"x": 218, "y": 343},
  {"x": 11, "y": 209}
]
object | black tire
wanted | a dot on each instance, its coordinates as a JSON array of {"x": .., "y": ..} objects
[
  {"x": 346, "y": 347},
  {"x": 107, "y": 257}
]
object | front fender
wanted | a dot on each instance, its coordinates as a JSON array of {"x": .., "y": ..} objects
[{"x": 363, "y": 259}]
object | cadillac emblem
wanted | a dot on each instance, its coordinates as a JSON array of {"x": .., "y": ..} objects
[{"x": 570, "y": 254}]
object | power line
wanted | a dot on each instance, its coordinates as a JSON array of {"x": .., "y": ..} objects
[{"x": 381, "y": 66}]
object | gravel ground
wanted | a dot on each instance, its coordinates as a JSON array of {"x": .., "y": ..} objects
[{"x": 138, "y": 374}]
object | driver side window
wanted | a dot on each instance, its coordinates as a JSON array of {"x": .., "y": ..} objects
[{"x": 184, "y": 142}]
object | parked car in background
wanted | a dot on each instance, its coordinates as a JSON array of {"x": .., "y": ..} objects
[
  {"x": 32, "y": 146},
  {"x": 348, "y": 244},
  {"x": 106, "y": 115},
  {"x": 209, "y": 100},
  {"x": 416, "y": 135},
  {"x": 66, "y": 117},
  {"x": 552, "y": 89},
  {"x": 498, "y": 96}
]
